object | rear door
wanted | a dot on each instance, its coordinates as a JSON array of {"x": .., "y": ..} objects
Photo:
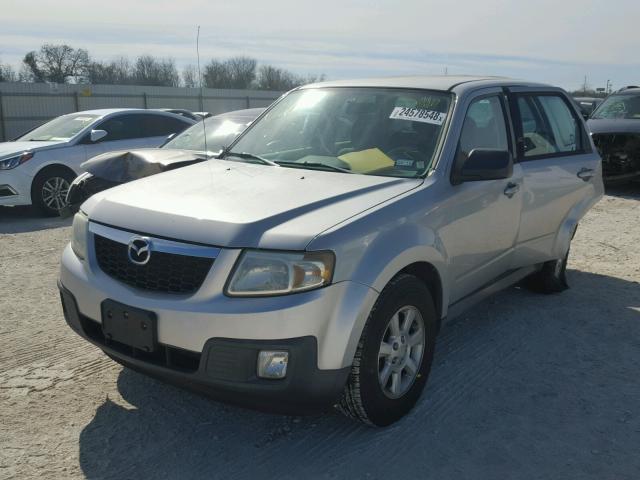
[{"x": 559, "y": 170}]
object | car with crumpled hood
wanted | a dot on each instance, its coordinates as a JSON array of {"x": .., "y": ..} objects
[
  {"x": 201, "y": 141},
  {"x": 615, "y": 128}
]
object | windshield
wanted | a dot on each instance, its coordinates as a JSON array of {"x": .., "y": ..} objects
[
  {"x": 619, "y": 107},
  {"x": 220, "y": 133},
  {"x": 375, "y": 131},
  {"x": 59, "y": 129}
]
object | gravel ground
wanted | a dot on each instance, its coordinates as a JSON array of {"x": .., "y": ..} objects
[{"x": 524, "y": 386}]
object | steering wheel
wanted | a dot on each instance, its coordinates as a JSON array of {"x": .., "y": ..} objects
[{"x": 324, "y": 130}]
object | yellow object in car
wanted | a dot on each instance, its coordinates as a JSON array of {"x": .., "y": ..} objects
[{"x": 367, "y": 160}]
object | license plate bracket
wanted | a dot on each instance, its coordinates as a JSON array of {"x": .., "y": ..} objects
[{"x": 131, "y": 326}]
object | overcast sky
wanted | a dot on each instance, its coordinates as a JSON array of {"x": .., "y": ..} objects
[{"x": 557, "y": 41}]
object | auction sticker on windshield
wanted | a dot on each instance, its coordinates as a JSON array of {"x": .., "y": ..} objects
[{"x": 418, "y": 115}]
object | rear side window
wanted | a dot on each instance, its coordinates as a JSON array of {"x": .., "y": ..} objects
[
  {"x": 548, "y": 126},
  {"x": 161, "y": 126},
  {"x": 122, "y": 127}
]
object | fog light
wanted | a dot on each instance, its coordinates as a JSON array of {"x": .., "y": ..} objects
[{"x": 272, "y": 364}]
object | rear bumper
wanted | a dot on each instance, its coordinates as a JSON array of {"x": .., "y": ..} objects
[{"x": 226, "y": 368}]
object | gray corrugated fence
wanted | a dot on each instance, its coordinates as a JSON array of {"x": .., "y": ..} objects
[{"x": 25, "y": 105}]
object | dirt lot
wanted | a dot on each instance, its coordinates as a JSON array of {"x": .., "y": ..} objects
[{"x": 525, "y": 386}]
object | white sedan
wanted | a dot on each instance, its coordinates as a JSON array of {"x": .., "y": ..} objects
[{"x": 37, "y": 168}]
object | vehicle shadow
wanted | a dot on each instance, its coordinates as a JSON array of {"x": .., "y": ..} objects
[
  {"x": 28, "y": 219},
  {"x": 629, "y": 190},
  {"x": 524, "y": 385}
]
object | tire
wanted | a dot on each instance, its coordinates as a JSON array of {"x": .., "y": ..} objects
[
  {"x": 365, "y": 398},
  {"x": 552, "y": 278},
  {"x": 49, "y": 190}
]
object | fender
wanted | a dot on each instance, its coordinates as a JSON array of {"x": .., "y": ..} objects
[
  {"x": 570, "y": 222},
  {"x": 373, "y": 257}
]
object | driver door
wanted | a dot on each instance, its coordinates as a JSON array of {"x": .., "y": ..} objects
[{"x": 483, "y": 217}]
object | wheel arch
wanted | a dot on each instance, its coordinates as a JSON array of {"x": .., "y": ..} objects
[
  {"x": 47, "y": 168},
  {"x": 430, "y": 276}
]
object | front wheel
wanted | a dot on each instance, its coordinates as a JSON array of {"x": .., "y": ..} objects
[
  {"x": 49, "y": 190},
  {"x": 394, "y": 355}
]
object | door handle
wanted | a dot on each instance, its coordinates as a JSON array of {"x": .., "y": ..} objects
[
  {"x": 512, "y": 189},
  {"x": 585, "y": 174}
]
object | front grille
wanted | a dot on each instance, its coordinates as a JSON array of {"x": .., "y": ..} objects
[
  {"x": 620, "y": 152},
  {"x": 165, "y": 272}
]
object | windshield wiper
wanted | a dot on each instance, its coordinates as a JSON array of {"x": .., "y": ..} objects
[
  {"x": 326, "y": 166},
  {"x": 248, "y": 156}
]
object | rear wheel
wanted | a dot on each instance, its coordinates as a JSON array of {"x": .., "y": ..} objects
[
  {"x": 49, "y": 190},
  {"x": 552, "y": 277},
  {"x": 394, "y": 355}
]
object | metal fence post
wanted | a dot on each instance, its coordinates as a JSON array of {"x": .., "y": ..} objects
[
  {"x": 248, "y": 102},
  {"x": 3, "y": 131},
  {"x": 76, "y": 99},
  {"x": 144, "y": 99},
  {"x": 201, "y": 99}
]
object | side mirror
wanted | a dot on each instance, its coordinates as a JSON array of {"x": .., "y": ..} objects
[
  {"x": 485, "y": 164},
  {"x": 97, "y": 135}
]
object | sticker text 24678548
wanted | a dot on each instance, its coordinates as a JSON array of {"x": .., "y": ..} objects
[{"x": 418, "y": 115}]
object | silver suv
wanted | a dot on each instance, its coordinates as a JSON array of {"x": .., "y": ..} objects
[{"x": 313, "y": 262}]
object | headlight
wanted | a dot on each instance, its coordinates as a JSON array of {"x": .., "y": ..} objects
[
  {"x": 80, "y": 234},
  {"x": 263, "y": 272},
  {"x": 13, "y": 162}
]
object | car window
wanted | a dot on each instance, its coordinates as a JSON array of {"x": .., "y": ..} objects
[
  {"x": 369, "y": 131},
  {"x": 484, "y": 127},
  {"x": 161, "y": 126},
  {"x": 564, "y": 125},
  {"x": 122, "y": 127},
  {"x": 220, "y": 132},
  {"x": 548, "y": 126},
  {"x": 622, "y": 106},
  {"x": 60, "y": 129}
]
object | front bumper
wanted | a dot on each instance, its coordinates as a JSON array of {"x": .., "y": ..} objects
[
  {"x": 333, "y": 315},
  {"x": 226, "y": 368},
  {"x": 15, "y": 187}
]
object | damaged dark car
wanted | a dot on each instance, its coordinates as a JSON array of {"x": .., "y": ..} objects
[
  {"x": 615, "y": 128},
  {"x": 198, "y": 143}
]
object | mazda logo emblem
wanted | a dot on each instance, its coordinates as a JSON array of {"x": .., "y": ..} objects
[{"x": 139, "y": 250}]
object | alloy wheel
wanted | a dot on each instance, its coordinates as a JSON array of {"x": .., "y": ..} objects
[
  {"x": 54, "y": 193},
  {"x": 401, "y": 350}
]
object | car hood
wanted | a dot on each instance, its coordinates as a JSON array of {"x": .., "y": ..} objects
[
  {"x": 7, "y": 149},
  {"x": 613, "y": 126},
  {"x": 232, "y": 204},
  {"x": 127, "y": 165}
]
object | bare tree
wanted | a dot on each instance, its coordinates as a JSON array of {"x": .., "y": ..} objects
[
  {"x": 243, "y": 71},
  {"x": 116, "y": 72},
  {"x": 236, "y": 72},
  {"x": 149, "y": 70},
  {"x": 190, "y": 77},
  {"x": 57, "y": 63},
  {"x": 216, "y": 75},
  {"x": 7, "y": 74},
  {"x": 274, "y": 78}
]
